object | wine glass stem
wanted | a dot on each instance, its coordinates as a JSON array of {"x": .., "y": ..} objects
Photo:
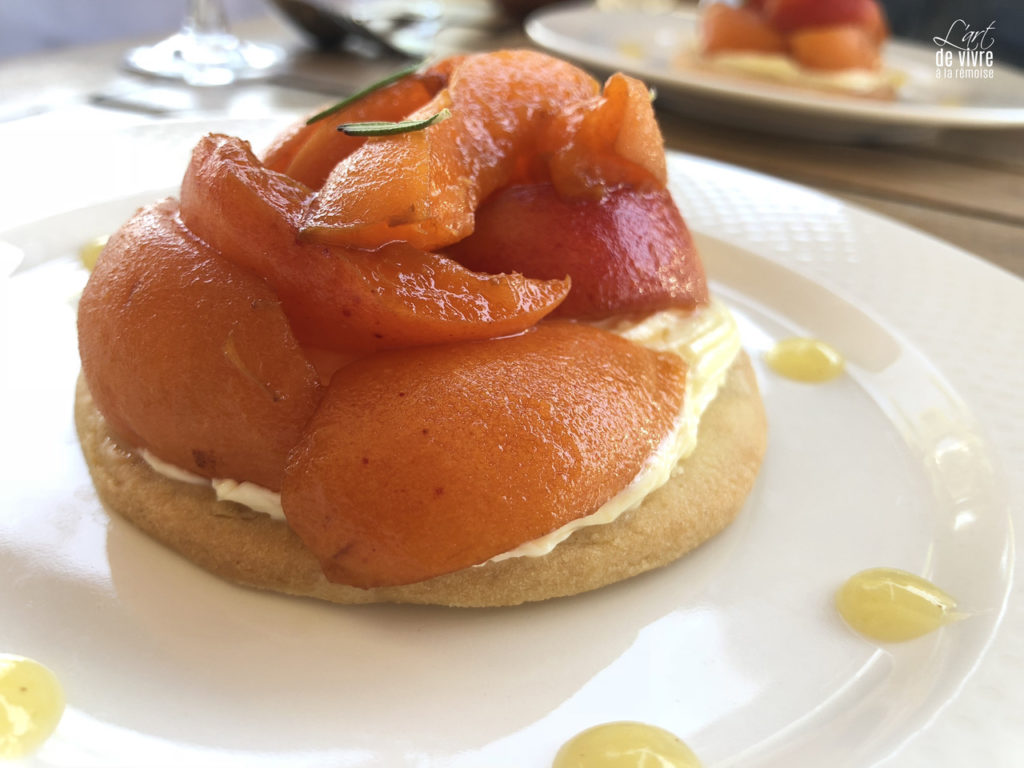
[{"x": 206, "y": 17}]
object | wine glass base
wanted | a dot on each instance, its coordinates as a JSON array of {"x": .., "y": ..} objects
[{"x": 205, "y": 59}]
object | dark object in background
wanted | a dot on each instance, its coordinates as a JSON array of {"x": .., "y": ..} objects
[
  {"x": 922, "y": 20},
  {"x": 329, "y": 30},
  {"x": 517, "y": 10}
]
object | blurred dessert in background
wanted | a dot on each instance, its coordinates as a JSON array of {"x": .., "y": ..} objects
[{"x": 835, "y": 46}]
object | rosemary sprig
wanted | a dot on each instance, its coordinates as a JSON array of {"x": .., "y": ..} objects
[
  {"x": 392, "y": 78},
  {"x": 384, "y": 128}
]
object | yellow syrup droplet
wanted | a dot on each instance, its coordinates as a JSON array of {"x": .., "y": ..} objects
[
  {"x": 31, "y": 705},
  {"x": 625, "y": 745},
  {"x": 633, "y": 49},
  {"x": 89, "y": 252},
  {"x": 890, "y": 605},
  {"x": 805, "y": 360}
]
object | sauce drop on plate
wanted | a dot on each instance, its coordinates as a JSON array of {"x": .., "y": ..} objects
[
  {"x": 805, "y": 359},
  {"x": 89, "y": 252},
  {"x": 890, "y": 605},
  {"x": 625, "y": 745},
  {"x": 31, "y": 705}
]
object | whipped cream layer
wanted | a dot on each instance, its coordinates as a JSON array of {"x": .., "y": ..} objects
[
  {"x": 780, "y": 68},
  {"x": 256, "y": 497}
]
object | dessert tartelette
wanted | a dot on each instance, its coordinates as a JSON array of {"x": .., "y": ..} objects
[{"x": 460, "y": 351}]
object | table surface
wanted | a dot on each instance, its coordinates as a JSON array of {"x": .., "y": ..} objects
[{"x": 963, "y": 187}]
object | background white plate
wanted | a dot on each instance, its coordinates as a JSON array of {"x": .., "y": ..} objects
[
  {"x": 908, "y": 461},
  {"x": 653, "y": 47}
]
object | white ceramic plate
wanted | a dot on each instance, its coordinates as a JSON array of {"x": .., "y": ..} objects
[
  {"x": 902, "y": 462},
  {"x": 652, "y": 47}
]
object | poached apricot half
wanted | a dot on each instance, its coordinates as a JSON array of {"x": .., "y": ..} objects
[
  {"x": 835, "y": 48},
  {"x": 430, "y": 460},
  {"x": 725, "y": 28},
  {"x": 628, "y": 252},
  {"x": 190, "y": 356},
  {"x": 346, "y": 299}
]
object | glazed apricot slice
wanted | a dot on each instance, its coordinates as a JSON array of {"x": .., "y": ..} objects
[
  {"x": 610, "y": 140},
  {"x": 835, "y": 48},
  {"x": 422, "y": 187},
  {"x": 431, "y": 460},
  {"x": 727, "y": 29},
  {"x": 629, "y": 252},
  {"x": 346, "y": 299},
  {"x": 309, "y": 152},
  {"x": 191, "y": 356}
]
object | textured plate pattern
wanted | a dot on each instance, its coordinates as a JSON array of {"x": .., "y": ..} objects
[{"x": 963, "y": 314}]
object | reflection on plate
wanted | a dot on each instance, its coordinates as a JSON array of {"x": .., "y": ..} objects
[
  {"x": 736, "y": 648},
  {"x": 650, "y": 46}
]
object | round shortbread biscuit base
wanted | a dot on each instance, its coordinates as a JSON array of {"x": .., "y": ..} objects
[{"x": 249, "y": 548}]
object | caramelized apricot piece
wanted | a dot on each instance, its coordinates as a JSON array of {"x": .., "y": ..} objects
[
  {"x": 308, "y": 153},
  {"x": 191, "y": 356},
  {"x": 346, "y": 299},
  {"x": 727, "y": 29},
  {"x": 794, "y": 15},
  {"x": 627, "y": 252},
  {"x": 423, "y": 187},
  {"x": 875, "y": 23},
  {"x": 835, "y": 48},
  {"x": 606, "y": 141},
  {"x": 431, "y": 460}
]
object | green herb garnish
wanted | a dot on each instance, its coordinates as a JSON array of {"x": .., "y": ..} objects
[
  {"x": 383, "y": 128},
  {"x": 392, "y": 78}
]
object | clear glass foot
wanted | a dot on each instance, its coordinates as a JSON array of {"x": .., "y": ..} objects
[{"x": 204, "y": 52}]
